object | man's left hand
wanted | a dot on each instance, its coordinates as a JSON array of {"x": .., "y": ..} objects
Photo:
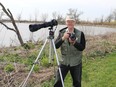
[{"x": 71, "y": 41}]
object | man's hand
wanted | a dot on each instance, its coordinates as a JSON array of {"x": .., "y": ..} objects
[
  {"x": 65, "y": 36},
  {"x": 71, "y": 41}
]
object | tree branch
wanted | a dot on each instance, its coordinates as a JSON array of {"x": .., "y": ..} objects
[
  {"x": 3, "y": 8},
  {"x": 11, "y": 16},
  {"x": 7, "y": 27}
]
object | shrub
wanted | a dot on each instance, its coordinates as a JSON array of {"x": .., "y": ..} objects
[
  {"x": 36, "y": 68},
  {"x": 9, "y": 68},
  {"x": 28, "y": 45},
  {"x": 45, "y": 62}
]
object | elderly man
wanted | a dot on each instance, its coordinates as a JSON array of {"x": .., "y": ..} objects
[{"x": 72, "y": 43}]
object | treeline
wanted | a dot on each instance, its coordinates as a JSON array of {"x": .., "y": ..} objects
[
  {"x": 110, "y": 19},
  {"x": 55, "y": 15}
]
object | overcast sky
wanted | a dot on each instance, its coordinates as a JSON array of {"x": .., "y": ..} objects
[{"x": 91, "y": 8}]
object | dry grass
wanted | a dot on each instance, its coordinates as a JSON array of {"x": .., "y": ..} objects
[{"x": 100, "y": 45}]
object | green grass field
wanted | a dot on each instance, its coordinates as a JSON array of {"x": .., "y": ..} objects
[{"x": 98, "y": 72}]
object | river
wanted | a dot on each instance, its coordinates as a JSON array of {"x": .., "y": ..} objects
[{"x": 8, "y": 37}]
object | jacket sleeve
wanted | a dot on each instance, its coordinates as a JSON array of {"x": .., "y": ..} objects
[
  {"x": 58, "y": 41},
  {"x": 81, "y": 46}
]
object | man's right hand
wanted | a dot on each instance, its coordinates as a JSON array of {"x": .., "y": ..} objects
[{"x": 65, "y": 36}]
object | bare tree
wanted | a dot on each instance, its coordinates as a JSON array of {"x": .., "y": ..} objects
[
  {"x": 44, "y": 17},
  {"x": 58, "y": 17},
  {"x": 109, "y": 18},
  {"x": 15, "y": 29},
  {"x": 114, "y": 14},
  {"x": 30, "y": 18},
  {"x": 102, "y": 19},
  {"x": 36, "y": 16},
  {"x": 54, "y": 15},
  {"x": 19, "y": 17},
  {"x": 96, "y": 20},
  {"x": 75, "y": 13}
]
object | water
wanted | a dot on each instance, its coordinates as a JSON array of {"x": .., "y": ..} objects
[{"x": 8, "y": 37}]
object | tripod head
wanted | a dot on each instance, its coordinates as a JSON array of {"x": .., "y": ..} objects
[{"x": 51, "y": 32}]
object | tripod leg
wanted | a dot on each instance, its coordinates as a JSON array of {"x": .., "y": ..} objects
[
  {"x": 24, "y": 84},
  {"x": 58, "y": 63},
  {"x": 50, "y": 52}
]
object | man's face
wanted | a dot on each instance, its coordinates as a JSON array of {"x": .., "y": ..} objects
[{"x": 70, "y": 24}]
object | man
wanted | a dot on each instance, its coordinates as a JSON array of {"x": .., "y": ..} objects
[{"x": 71, "y": 50}]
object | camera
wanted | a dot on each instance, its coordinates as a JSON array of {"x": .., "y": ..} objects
[
  {"x": 72, "y": 36},
  {"x": 35, "y": 27}
]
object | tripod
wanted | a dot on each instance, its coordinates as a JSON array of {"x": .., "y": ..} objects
[{"x": 52, "y": 45}]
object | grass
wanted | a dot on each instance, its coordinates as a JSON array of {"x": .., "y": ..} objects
[{"x": 98, "y": 72}]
